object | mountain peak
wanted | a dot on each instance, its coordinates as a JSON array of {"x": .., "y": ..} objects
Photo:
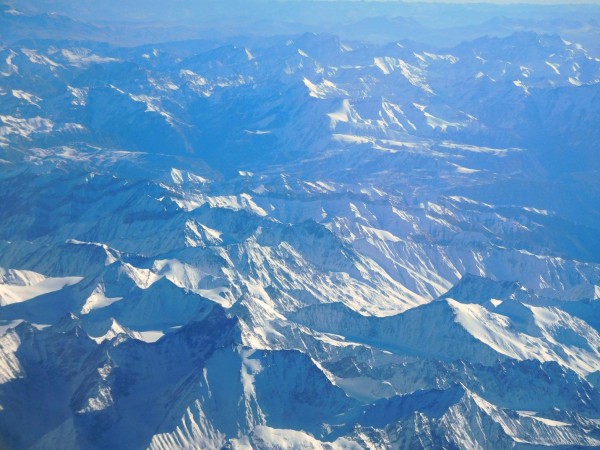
[{"x": 477, "y": 289}]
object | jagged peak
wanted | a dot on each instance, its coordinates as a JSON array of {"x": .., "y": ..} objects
[
  {"x": 110, "y": 330},
  {"x": 216, "y": 323},
  {"x": 478, "y": 289},
  {"x": 66, "y": 323},
  {"x": 433, "y": 403}
]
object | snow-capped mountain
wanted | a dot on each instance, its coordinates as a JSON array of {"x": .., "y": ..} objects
[{"x": 299, "y": 241}]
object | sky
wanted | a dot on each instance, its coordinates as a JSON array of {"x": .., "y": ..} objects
[{"x": 500, "y": 2}]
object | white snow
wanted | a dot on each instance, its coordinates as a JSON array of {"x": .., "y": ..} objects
[
  {"x": 20, "y": 286},
  {"x": 29, "y": 98}
]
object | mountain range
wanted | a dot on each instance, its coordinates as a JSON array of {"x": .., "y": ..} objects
[{"x": 298, "y": 240}]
